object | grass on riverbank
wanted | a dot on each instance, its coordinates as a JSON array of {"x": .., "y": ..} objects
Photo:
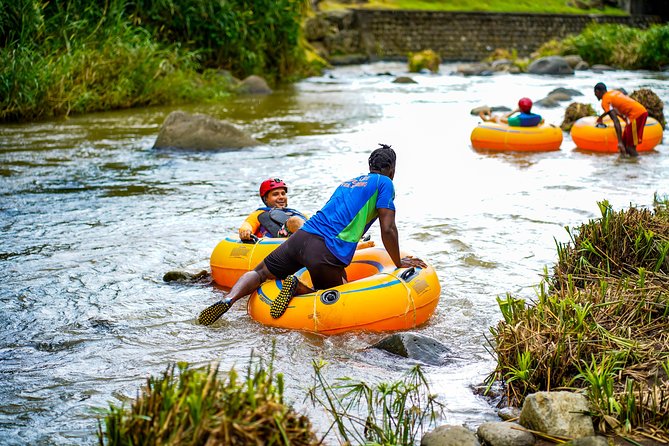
[
  {"x": 59, "y": 58},
  {"x": 527, "y": 6},
  {"x": 600, "y": 323},
  {"x": 191, "y": 406}
]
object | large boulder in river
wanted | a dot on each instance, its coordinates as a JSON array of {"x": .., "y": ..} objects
[
  {"x": 254, "y": 85},
  {"x": 414, "y": 346},
  {"x": 550, "y": 65},
  {"x": 182, "y": 130},
  {"x": 559, "y": 414}
]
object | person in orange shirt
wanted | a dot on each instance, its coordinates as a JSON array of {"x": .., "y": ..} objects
[{"x": 615, "y": 104}]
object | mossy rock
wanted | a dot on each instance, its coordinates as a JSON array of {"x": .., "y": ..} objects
[
  {"x": 426, "y": 59},
  {"x": 574, "y": 112},
  {"x": 652, "y": 102}
]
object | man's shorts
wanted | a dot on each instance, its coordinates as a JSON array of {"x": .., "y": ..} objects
[
  {"x": 304, "y": 249},
  {"x": 633, "y": 133}
]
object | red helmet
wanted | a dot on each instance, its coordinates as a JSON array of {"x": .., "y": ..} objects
[
  {"x": 525, "y": 105},
  {"x": 271, "y": 184}
]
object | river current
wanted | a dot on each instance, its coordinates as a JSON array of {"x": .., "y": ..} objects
[{"x": 92, "y": 218}]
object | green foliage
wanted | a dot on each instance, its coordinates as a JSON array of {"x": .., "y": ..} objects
[
  {"x": 426, "y": 59},
  {"x": 244, "y": 36},
  {"x": 385, "y": 414},
  {"x": 654, "y": 47},
  {"x": 189, "y": 406},
  {"x": 621, "y": 46},
  {"x": 599, "y": 322},
  {"x": 62, "y": 57}
]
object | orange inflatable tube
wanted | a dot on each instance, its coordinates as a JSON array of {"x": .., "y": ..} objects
[
  {"x": 587, "y": 136},
  {"x": 231, "y": 258},
  {"x": 378, "y": 297},
  {"x": 502, "y": 137}
]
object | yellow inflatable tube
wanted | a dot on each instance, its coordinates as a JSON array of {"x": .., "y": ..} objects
[
  {"x": 502, "y": 137},
  {"x": 587, "y": 136},
  {"x": 378, "y": 297},
  {"x": 231, "y": 258}
]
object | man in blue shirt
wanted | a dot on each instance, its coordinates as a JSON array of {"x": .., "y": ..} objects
[{"x": 326, "y": 243}]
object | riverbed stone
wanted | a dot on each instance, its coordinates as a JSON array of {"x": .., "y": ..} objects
[
  {"x": 562, "y": 414},
  {"x": 186, "y": 277},
  {"x": 500, "y": 433},
  {"x": 509, "y": 413},
  {"x": 186, "y": 131},
  {"x": 414, "y": 346},
  {"x": 254, "y": 85},
  {"x": 550, "y": 65},
  {"x": 595, "y": 440},
  {"x": 448, "y": 435},
  {"x": 474, "y": 69},
  {"x": 404, "y": 80},
  {"x": 598, "y": 68}
]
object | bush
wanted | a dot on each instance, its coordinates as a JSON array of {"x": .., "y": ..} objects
[
  {"x": 599, "y": 323},
  {"x": 187, "y": 406}
]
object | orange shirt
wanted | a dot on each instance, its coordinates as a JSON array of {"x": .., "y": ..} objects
[{"x": 623, "y": 104}]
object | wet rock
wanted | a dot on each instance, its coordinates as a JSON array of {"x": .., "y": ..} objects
[
  {"x": 186, "y": 277},
  {"x": 589, "y": 441},
  {"x": 349, "y": 59},
  {"x": 581, "y": 66},
  {"x": 254, "y": 85},
  {"x": 404, "y": 80},
  {"x": 449, "y": 436},
  {"x": 182, "y": 130},
  {"x": 474, "y": 69},
  {"x": 599, "y": 68},
  {"x": 414, "y": 346},
  {"x": 568, "y": 92},
  {"x": 509, "y": 413},
  {"x": 562, "y": 414},
  {"x": 573, "y": 60},
  {"x": 550, "y": 65},
  {"x": 504, "y": 434},
  {"x": 547, "y": 102}
]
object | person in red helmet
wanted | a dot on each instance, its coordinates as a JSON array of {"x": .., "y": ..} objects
[
  {"x": 524, "y": 117},
  {"x": 275, "y": 219}
]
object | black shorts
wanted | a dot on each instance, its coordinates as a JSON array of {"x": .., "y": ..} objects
[{"x": 304, "y": 249}]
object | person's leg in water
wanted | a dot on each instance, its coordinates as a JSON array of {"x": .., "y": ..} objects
[{"x": 246, "y": 284}]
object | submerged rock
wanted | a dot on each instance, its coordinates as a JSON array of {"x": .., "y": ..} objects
[
  {"x": 550, "y": 65},
  {"x": 415, "y": 346},
  {"x": 182, "y": 130},
  {"x": 183, "y": 276}
]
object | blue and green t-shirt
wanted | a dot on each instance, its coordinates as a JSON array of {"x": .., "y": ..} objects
[
  {"x": 524, "y": 120},
  {"x": 350, "y": 212}
]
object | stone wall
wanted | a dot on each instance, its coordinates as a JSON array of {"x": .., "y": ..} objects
[{"x": 462, "y": 36}]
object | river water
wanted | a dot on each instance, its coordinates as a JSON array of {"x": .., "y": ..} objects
[{"x": 92, "y": 217}]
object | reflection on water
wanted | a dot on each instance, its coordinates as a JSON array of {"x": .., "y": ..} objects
[{"x": 92, "y": 218}]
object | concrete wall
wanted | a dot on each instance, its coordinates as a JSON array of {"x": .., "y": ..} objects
[{"x": 465, "y": 36}]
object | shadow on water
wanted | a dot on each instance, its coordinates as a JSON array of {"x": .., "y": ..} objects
[{"x": 92, "y": 218}]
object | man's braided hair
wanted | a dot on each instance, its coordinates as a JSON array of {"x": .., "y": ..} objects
[{"x": 382, "y": 158}]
